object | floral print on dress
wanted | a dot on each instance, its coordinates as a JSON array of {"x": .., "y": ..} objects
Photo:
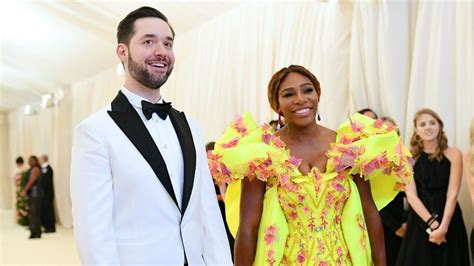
[{"x": 312, "y": 205}]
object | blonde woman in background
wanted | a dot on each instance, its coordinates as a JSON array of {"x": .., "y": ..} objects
[
  {"x": 435, "y": 233},
  {"x": 469, "y": 176}
]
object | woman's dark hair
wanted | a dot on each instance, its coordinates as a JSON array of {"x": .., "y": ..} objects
[
  {"x": 280, "y": 76},
  {"x": 19, "y": 160},
  {"x": 362, "y": 111}
]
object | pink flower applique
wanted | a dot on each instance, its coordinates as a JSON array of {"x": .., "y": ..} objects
[
  {"x": 376, "y": 163},
  {"x": 284, "y": 179},
  {"x": 270, "y": 234},
  {"x": 378, "y": 123},
  {"x": 294, "y": 161},
  {"x": 267, "y": 128},
  {"x": 239, "y": 125},
  {"x": 271, "y": 257},
  {"x": 338, "y": 186},
  {"x": 311, "y": 226},
  {"x": 266, "y": 138},
  {"x": 293, "y": 215},
  {"x": 345, "y": 140},
  {"x": 321, "y": 246},
  {"x": 278, "y": 142},
  {"x": 306, "y": 210},
  {"x": 301, "y": 198},
  {"x": 316, "y": 174},
  {"x": 357, "y": 127},
  {"x": 301, "y": 256},
  {"x": 231, "y": 143},
  {"x": 400, "y": 186},
  {"x": 323, "y": 263}
]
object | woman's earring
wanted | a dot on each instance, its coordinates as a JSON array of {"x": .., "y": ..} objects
[
  {"x": 318, "y": 116},
  {"x": 279, "y": 120}
]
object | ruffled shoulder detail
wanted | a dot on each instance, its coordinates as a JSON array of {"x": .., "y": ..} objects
[
  {"x": 248, "y": 150},
  {"x": 374, "y": 151}
]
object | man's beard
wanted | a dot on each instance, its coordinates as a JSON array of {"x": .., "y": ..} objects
[{"x": 144, "y": 77}]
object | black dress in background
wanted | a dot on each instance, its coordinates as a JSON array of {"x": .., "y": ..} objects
[
  {"x": 432, "y": 179},
  {"x": 222, "y": 209},
  {"x": 393, "y": 216}
]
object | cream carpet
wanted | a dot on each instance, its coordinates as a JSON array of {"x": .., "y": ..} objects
[{"x": 51, "y": 249}]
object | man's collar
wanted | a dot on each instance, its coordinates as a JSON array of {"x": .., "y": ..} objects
[{"x": 135, "y": 99}]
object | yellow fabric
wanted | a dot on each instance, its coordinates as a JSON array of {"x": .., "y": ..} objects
[{"x": 312, "y": 219}]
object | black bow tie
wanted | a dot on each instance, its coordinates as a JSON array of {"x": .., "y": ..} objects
[{"x": 161, "y": 109}]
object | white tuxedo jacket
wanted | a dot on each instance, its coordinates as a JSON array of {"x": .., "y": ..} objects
[{"x": 124, "y": 208}]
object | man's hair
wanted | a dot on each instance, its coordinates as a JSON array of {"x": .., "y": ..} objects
[
  {"x": 19, "y": 160},
  {"x": 44, "y": 157},
  {"x": 126, "y": 29}
]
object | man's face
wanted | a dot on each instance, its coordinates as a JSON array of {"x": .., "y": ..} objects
[{"x": 150, "y": 57}]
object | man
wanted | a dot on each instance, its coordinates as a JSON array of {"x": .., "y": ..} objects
[
  {"x": 48, "y": 219},
  {"x": 140, "y": 184}
]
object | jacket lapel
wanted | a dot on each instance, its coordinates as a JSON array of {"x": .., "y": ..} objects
[
  {"x": 185, "y": 137},
  {"x": 127, "y": 119}
]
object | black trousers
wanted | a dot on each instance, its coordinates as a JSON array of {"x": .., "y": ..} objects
[
  {"x": 34, "y": 215},
  {"x": 48, "y": 219}
]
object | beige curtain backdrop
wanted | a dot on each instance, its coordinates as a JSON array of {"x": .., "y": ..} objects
[{"x": 393, "y": 56}]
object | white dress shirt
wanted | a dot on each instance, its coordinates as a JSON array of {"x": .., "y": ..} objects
[{"x": 165, "y": 138}]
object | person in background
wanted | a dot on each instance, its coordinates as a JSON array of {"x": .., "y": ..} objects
[
  {"x": 274, "y": 124},
  {"x": 469, "y": 177},
  {"x": 20, "y": 179},
  {"x": 368, "y": 112},
  {"x": 394, "y": 215},
  {"x": 48, "y": 218},
  {"x": 34, "y": 191},
  {"x": 435, "y": 233}
]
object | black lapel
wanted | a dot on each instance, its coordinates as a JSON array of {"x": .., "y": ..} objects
[
  {"x": 128, "y": 120},
  {"x": 185, "y": 137}
]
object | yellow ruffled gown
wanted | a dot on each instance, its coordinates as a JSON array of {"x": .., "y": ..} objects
[{"x": 313, "y": 219}]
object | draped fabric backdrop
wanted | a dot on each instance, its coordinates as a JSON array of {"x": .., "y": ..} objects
[{"x": 393, "y": 56}]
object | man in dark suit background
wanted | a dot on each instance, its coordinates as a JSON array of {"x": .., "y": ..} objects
[{"x": 48, "y": 219}]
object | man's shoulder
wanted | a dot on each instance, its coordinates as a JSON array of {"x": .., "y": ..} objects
[{"x": 96, "y": 119}]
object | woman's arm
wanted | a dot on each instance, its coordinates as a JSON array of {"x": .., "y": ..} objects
[
  {"x": 455, "y": 157},
  {"x": 251, "y": 205},
  {"x": 372, "y": 219},
  {"x": 35, "y": 173}
]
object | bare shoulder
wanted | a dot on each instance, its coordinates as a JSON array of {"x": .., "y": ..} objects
[
  {"x": 328, "y": 134},
  {"x": 453, "y": 154}
]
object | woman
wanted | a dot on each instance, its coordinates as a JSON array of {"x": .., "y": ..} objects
[
  {"x": 469, "y": 176},
  {"x": 435, "y": 232},
  {"x": 297, "y": 196},
  {"x": 34, "y": 192}
]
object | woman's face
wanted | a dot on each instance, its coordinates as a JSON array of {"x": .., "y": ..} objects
[
  {"x": 427, "y": 127},
  {"x": 370, "y": 114},
  {"x": 298, "y": 100}
]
